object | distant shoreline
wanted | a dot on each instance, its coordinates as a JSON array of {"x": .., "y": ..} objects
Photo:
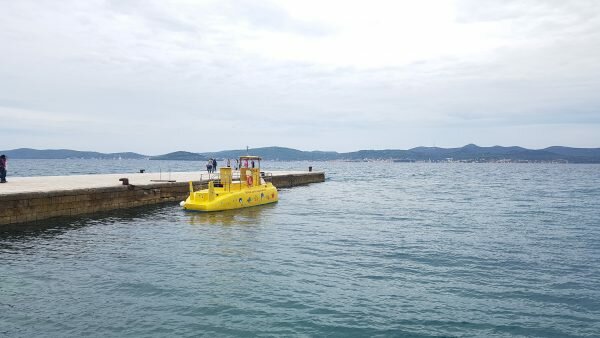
[{"x": 467, "y": 154}]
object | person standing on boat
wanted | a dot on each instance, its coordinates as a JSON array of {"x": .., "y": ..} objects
[
  {"x": 214, "y": 165},
  {"x": 3, "y": 168},
  {"x": 209, "y": 166}
]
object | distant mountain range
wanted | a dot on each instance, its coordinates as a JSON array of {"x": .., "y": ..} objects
[
  {"x": 26, "y": 153},
  {"x": 181, "y": 156},
  {"x": 468, "y": 153},
  {"x": 278, "y": 154}
]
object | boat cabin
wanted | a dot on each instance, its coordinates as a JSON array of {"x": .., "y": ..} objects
[
  {"x": 249, "y": 162},
  {"x": 250, "y": 170}
]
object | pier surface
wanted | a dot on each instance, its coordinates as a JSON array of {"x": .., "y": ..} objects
[{"x": 31, "y": 199}]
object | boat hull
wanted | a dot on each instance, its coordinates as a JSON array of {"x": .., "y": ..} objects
[{"x": 231, "y": 199}]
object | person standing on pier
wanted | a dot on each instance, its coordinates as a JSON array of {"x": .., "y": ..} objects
[
  {"x": 209, "y": 166},
  {"x": 214, "y": 165},
  {"x": 3, "y": 168}
]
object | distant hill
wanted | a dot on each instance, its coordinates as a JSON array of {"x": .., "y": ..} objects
[
  {"x": 181, "y": 156},
  {"x": 277, "y": 154},
  {"x": 578, "y": 152},
  {"x": 468, "y": 153},
  {"x": 27, "y": 153}
]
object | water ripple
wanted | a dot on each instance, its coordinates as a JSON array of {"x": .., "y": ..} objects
[{"x": 417, "y": 250}]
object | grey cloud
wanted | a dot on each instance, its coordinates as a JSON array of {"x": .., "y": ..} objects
[
  {"x": 470, "y": 11},
  {"x": 143, "y": 68},
  {"x": 267, "y": 15}
]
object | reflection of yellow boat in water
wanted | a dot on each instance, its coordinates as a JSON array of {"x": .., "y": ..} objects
[
  {"x": 234, "y": 217},
  {"x": 245, "y": 189}
]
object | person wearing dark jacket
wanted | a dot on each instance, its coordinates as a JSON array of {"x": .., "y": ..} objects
[{"x": 2, "y": 168}]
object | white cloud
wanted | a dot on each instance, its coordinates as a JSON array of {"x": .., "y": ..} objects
[{"x": 311, "y": 74}]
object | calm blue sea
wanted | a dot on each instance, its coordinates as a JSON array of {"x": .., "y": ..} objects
[{"x": 379, "y": 249}]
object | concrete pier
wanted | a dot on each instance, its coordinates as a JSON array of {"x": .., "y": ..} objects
[{"x": 31, "y": 199}]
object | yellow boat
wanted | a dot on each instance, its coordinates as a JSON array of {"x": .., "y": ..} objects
[{"x": 228, "y": 191}]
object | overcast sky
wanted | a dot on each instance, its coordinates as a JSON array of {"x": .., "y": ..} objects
[{"x": 159, "y": 76}]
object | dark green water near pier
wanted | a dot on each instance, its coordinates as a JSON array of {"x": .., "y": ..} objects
[{"x": 379, "y": 249}]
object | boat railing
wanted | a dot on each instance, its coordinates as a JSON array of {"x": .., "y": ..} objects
[
  {"x": 216, "y": 179},
  {"x": 268, "y": 177},
  {"x": 205, "y": 178}
]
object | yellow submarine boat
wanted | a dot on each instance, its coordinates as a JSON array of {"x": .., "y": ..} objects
[{"x": 248, "y": 189}]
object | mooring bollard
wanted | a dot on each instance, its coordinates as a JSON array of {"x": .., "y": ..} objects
[{"x": 124, "y": 180}]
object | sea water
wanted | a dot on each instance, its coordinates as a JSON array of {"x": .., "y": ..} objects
[{"x": 379, "y": 249}]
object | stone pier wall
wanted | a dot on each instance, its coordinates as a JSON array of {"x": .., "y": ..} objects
[
  {"x": 293, "y": 180},
  {"x": 31, "y": 207},
  {"x": 20, "y": 208}
]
